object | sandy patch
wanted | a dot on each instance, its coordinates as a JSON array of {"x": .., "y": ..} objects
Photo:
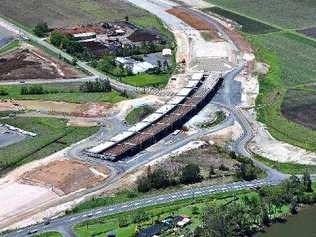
[
  {"x": 267, "y": 146},
  {"x": 73, "y": 109},
  {"x": 16, "y": 197},
  {"x": 65, "y": 176},
  {"x": 9, "y": 106},
  {"x": 225, "y": 135},
  {"x": 78, "y": 122}
]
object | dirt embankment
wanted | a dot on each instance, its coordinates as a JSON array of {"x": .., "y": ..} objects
[
  {"x": 195, "y": 22},
  {"x": 28, "y": 63},
  {"x": 65, "y": 176}
]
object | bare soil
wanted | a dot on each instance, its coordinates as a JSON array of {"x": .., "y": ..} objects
[
  {"x": 195, "y": 22},
  {"x": 311, "y": 32},
  {"x": 65, "y": 176},
  {"x": 88, "y": 110},
  {"x": 27, "y": 63},
  {"x": 300, "y": 106}
]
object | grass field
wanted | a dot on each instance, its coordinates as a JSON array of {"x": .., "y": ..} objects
[
  {"x": 10, "y": 46},
  {"x": 146, "y": 80},
  {"x": 249, "y": 26},
  {"x": 285, "y": 73},
  {"x": 60, "y": 13},
  {"x": 66, "y": 92},
  {"x": 287, "y": 168},
  {"x": 290, "y": 14},
  {"x": 49, "y": 234},
  {"x": 138, "y": 114},
  {"x": 52, "y": 135}
]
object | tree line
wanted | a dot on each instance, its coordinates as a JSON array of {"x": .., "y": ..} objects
[{"x": 243, "y": 217}]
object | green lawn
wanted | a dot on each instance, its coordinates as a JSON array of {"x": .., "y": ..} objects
[
  {"x": 67, "y": 92},
  {"x": 285, "y": 13},
  {"x": 49, "y": 234},
  {"x": 52, "y": 135},
  {"x": 249, "y": 26},
  {"x": 146, "y": 80},
  {"x": 288, "y": 168},
  {"x": 138, "y": 114}
]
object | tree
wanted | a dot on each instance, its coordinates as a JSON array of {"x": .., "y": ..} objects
[
  {"x": 41, "y": 29},
  {"x": 211, "y": 172},
  {"x": 217, "y": 223},
  {"x": 293, "y": 206},
  {"x": 246, "y": 172},
  {"x": 57, "y": 39},
  {"x": 195, "y": 210},
  {"x": 191, "y": 173},
  {"x": 307, "y": 182}
]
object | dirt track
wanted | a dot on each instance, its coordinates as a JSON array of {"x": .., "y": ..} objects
[{"x": 195, "y": 22}]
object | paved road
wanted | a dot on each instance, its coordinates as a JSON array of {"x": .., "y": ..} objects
[{"x": 166, "y": 198}]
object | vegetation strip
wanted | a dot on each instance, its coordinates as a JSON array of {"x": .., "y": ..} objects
[{"x": 249, "y": 26}]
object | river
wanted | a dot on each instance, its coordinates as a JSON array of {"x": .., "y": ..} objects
[{"x": 301, "y": 225}]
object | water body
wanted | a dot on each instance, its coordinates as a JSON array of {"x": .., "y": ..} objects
[{"x": 301, "y": 225}]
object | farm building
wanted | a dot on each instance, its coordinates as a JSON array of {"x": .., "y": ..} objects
[{"x": 84, "y": 37}]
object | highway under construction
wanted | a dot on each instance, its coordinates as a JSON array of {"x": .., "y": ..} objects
[{"x": 199, "y": 91}]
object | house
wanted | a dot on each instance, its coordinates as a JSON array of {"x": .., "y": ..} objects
[
  {"x": 134, "y": 66},
  {"x": 167, "y": 52},
  {"x": 184, "y": 220}
]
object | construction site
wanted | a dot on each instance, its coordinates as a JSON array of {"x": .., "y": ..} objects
[
  {"x": 172, "y": 116},
  {"x": 28, "y": 62}
]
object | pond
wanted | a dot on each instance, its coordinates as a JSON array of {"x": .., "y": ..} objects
[{"x": 302, "y": 225}]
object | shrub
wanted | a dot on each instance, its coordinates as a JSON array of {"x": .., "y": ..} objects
[
  {"x": 41, "y": 29},
  {"x": 3, "y": 92},
  {"x": 191, "y": 174}
]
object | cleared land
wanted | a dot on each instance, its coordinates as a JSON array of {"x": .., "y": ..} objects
[
  {"x": 52, "y": 135},
  {"x": 65, "y": 176},
  {"x": 299, "y": 105},
  {"x": 59, "y": 13},
  {"x": 285, "y": 13},
  {"x": 195, "y": 22},
  {"x": 26, "y": 63},
  {"x": 249, "y": 26}
]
